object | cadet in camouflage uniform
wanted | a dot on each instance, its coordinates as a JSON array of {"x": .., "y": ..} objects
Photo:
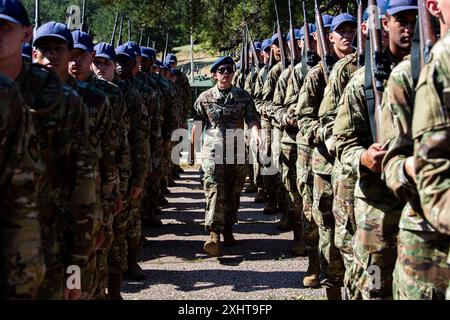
[
  {"x": 422, "y": 271},
  {"x": 22, "y": 265},
  {"x": 271, "y": 135},
  {"x": 377, "y": 211},
  {"x": 68, "y": 194},
  {"x": 430, "y": 131},
  {"x": 223, "y": 108}
]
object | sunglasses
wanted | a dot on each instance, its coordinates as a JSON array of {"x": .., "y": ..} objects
[{"x": 222, "y": 70}]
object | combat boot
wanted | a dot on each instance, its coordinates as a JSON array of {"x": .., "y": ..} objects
[
  {"x": 152, "y": 221},
  {"x": 298, "y": 249},
  {"x": 270, "y": 208},
  {"x": 228, "y": 238},
  {"x": 311, "y": 279},
  {"x": 212, "y": 246},
  {"x": 114, "y": 286},
  {"x": 134, "y": 271},
  {"x": 251, "y": 188},
  {"x": 284, "y": 224},
  {"x": 163, "y": 201},
  {"x": 334, "y": 293},
  {"x": 261, "y": 196}
]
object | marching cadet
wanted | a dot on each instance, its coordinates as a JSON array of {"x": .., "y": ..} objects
[
  {"x": 377, "y": 210},
  {"x": 422, "y": 271}
]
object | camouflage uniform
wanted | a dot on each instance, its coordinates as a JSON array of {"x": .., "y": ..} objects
[
  {"x": 22, "y": 265},
  {"x": 118, "y": 160},
  {"x": 223, "y": 181},
  {"x": 430, "y": 131},
  {"x": 311, "y": 126},
  {"x": 105, "y": 140},
  {"x": 377, "y": 210},
  {"x": 67, "y": 193},
  {"x": 138, "y": 135},
  {"x": 343, "y": 182},
  {"x": 271, "y": 134}
]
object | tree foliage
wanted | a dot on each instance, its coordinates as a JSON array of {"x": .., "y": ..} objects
[{"x": 216, "y": 24}]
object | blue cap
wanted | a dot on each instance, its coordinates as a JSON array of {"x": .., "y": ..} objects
[
  {"x": 381, "y": 5},
  {"x": 26, "y": 50},
  {"x": 342, "y": 18},
  {"x": 257, "y": 45},
  {"x": 396, "y": 6},
  {"x": 311, "y": 27},
  {"x": 148, "y": 53},
  {"x": 53, "y": 30},
  {"x": 105, "y": 50},
  {"x": 327, "y": 20},
  {"x": 135, "y": 46},
  {"x": 220, "y": 61},
  {"x": 83, "y": 41},
  {"x": 171, "y": 58},
  {"x": 124, "y": 50},
  {"x": 265, "y": 44},
  {"x": 14, "y": 11},
  {"x": 297, "y": 34},
  {"x": 275, "y": 38}
]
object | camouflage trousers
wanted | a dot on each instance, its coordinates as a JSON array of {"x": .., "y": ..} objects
[
  {"x": 103, "y": 251},
  {"x": 289, "y": 177},
  {"x": 52, "y": 287},
  {"x": 343, "y": 211},
  {"x": 305, "y": 182},
  {"x": 374, "y": 248},
  {"x": 255, "y": 167},
  {"x": 421, "y": 271},
  {"x": 134, "y": 225},
  {"x": 117, "y": 258},
  {"x": 330, "y": 257},
  {"x": 268, "y": 167},
  {"x": 223, "y": 185}
]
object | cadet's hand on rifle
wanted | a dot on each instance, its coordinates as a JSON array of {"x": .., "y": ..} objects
[
  {"x": 72, "y": 294},
  {"x": 410, "y": 168},
  {"x": 291, "y": 121},
  {"x": 135, "y": 192},
  {"x": 373, "y": 157}
]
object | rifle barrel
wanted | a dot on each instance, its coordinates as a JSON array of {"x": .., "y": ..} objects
[
  {"x": 322, "y": 41},
  {"x": 280, "y": 38}
]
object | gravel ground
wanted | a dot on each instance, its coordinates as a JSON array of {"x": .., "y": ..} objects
[{"x": 261, "y": 267}]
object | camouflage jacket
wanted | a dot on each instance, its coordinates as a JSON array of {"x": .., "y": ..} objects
[
  {"x": 259, "y": 84},
  {"x": 67, "y": 185},
  {"x": 250, "y": 82},
  {"x": 220, "y": 111},
  {"x": 265, "y": 99},
  {"x": 138, "y": 132},
  {"x": 431, "y": 134},
  {"x": 324, "y": 141},
  {"x": 22, "y": 264},
  {"x": 279, "y": 97},
  {"x": 186, "y": 96},
  {"x": 396, "y": 134},
  {"x": 169, "y": 124}
]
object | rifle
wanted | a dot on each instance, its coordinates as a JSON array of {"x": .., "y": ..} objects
[
  {"x": 83, "y": 16},
  {"x": 376, "y": 63},
  {"x": 166, "y": 47},
  {"x": 148, "y": 41},
  {"x": 113, "y": 37},
  {"x": 427, "y": 33},
  {"x": 271, "y": 51},
  {"x": 37, "y": 16},
  {"x": 141, "y": 36},
  {"x": 129, "y": 28},
  {"x": 293, "y": 46},
  {"x": 243, "y": 58},
  {"x": 280, "y": 38},
  {"x": 326, "y": 57},
  {"x": 308, "y": 53},
  {"x": 120, "y": 40},
  {"x": 359, "y": 37},
  {"x": 253, "y": 50}
]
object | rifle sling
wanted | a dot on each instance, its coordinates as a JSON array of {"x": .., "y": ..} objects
[{"x": 369, "y": 90}]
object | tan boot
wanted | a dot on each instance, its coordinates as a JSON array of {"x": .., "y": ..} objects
[
  {"x": 114, "y": 286},
  {"x": 311, "y": 278},
  {"x": 228, "y": 238},
  {"x": 212, "y": 246}
]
